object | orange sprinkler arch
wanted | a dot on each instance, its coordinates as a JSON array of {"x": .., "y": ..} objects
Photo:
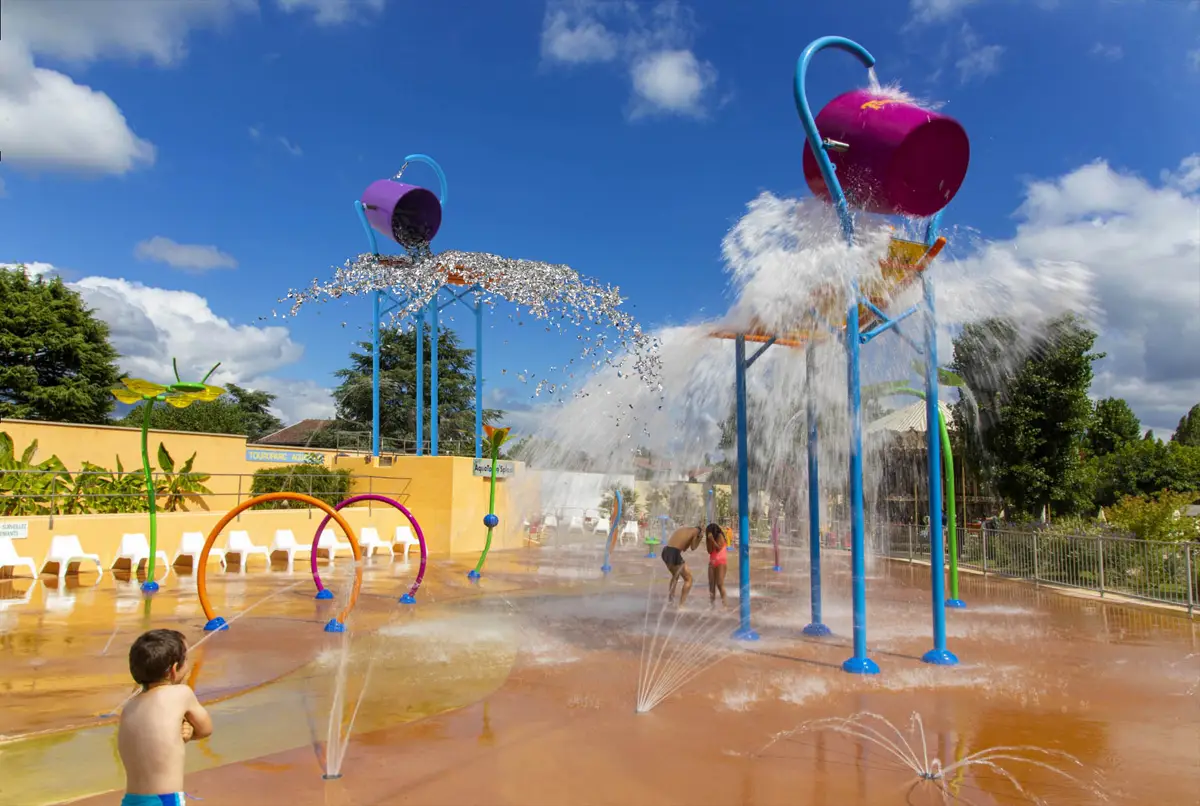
[{"x": 215, "y": 622}]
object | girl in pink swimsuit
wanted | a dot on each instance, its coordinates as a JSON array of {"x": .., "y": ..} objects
[{"x": 718, "y": 562}]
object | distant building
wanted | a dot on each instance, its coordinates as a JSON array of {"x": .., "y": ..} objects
[{"x": 295, "y": 436}]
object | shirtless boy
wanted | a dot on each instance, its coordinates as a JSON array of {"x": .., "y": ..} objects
[
  {"x": 685, "y": 539},
  {"x": 157, "y": 722}
]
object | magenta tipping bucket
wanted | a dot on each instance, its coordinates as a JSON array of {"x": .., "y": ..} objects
[
  {"x": 408, "y": 214},
  {"x": 899, "y": 159}
]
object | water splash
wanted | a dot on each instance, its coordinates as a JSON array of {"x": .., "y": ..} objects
[{"x": 912, "y": 751}]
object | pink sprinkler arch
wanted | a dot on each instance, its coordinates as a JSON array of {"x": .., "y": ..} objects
[{"x": 408, "y": 598}]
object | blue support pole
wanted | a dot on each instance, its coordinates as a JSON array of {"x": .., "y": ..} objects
[
  {"x": 744, "y": 631},
  {"x": 375, "y": 303},
  {"x": 478, "y": 377},
  {"x": 939, "y": 655},
  {"x": 859, "y": 663},
  {"x": 433, "y": 375},
  {"x": 709, "y": 505},
  {"x": 421, "y": 381},
  {"x": 816, "y": 627}
]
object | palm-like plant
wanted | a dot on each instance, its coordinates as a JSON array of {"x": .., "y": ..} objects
[
  {"x": 494, "y": 439},
  {"x": 179, "y": 394}
]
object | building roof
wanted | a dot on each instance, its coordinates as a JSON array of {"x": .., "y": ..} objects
[
  {"x": 909, "y": 418},
  {"x": 295, "y": 436}
]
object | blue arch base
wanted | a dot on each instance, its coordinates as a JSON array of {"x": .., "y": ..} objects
[
  {"x": 956, "y": 604},
  {"x": 324, "y": 593},
  {"x": 150, "y": 586},
  {"x": 606, "y": 568},
  {"x": 817, "y": 630},
  {"x": 335, "y": 626},
  {"x": 408, "y": 598},
  {"x": 215, "y": 624},
  {"x": 473, "y": 574},
  {"x": 745, "y": 634},
  {"x": 939, "y": 657},
  {"x": 860, "y": 666}
]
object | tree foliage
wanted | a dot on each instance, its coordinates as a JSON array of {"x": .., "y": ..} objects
[
  {"x": 1143, "y": 467},
  {"x": 398, "y": 390},
  {"x": 1157, "y": 517},
  {"x": 1113, "y": 426},
  {"x": 56, "y": 362},
  {"x": 240, "y": 411},
  {"x": 1188, "y": 430},
  {"x": 1025, "y": 424}
]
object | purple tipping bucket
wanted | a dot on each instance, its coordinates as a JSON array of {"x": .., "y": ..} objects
[
  {"x": 407, "y": 214},
  {"x": 901, "y": 160}
]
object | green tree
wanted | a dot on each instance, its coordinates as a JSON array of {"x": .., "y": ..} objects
[
  {"x": 1113, "y": 424},
  {"x": 56, "y": 362},
  {"x": 239, "y": 411},
  {"x": 1188, "y": 430},
  {"x": 1027, "y": 426},
  {"x": 1144, "y": 467},
  {"x": 398, "y": 391}
]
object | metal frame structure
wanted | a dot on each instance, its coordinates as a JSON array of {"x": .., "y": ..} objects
[{"x": 384, "y": 302}]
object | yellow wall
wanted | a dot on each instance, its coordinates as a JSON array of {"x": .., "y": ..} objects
[{"x": 441, "y": 492}]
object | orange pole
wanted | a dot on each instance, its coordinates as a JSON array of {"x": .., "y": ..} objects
[{"x": 202, "y": 571}]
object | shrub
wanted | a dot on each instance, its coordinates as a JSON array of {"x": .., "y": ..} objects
[
  {"x": 330, "y": 486},
  {"x": 1157, "y": 517}
]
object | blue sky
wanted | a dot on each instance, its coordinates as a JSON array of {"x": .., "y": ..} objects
[{"x": 620, "y": 138}]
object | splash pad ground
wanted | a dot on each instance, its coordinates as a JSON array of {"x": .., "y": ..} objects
[{"x": 520, "y": 690}]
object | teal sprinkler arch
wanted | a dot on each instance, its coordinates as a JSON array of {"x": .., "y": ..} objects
[
  {"x": 384, "y": 302},
  {"x": 614, "y": 526},
  {"x": 855, "y": 338}
]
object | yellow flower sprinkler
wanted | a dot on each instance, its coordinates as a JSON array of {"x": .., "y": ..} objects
[
  {"x": 494, "y": 438},
  {"x": 180, "y": 394}
]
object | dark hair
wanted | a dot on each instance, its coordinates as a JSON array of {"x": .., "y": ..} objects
[
  {"x": 154, "y": 654},
  {"x": 716, "y": 535}
]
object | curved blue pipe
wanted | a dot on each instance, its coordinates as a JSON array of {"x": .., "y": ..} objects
[
  {"x": 810, "y": 124},
  {"x": 618, "y": 511},
  {"x": 437, "y": 169}
]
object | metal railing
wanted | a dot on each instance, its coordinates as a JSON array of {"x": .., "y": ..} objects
[
  {"x": 360, "y": 442},
  {"x": 54, "y": 493},
  {"x": 1155, "y": 571}
]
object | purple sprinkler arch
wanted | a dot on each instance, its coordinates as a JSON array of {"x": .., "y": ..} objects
[{"x": 408, "y": 598}]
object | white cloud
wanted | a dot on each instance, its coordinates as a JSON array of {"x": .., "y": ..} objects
[
  {"x": 936, "y": 10},
  {"x": 333, "y": 12},
  {"x": 290, "y": 147},
  {"x": 186, "y": 257},
  {"x": 1112, "y": 53},
  {"x": 1193, "y": 59},
  {"x": 255, "y": 132},
  {"x": 654, "y": 44},
  {"x": 978, "y": 60},
  {"x": 1139, "y": 245},
  {"x": 149, "y": 326},
  {"x": 671, "y": 81}
]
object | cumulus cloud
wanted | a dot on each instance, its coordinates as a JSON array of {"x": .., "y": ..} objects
[
  {"x": 1112, "y": 53},
  {"x": 1135, "y": 245},
  {"x": 192, "y": 258},
  {"x": 333, "y": 12},
  {"x": 654, "y": 43},
  {"x": 978, "y": 61},
  {"x": 936, "y": 10},
  {"x": 149, "y": 326}
]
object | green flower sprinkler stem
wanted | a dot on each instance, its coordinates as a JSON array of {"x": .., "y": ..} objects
[
  {"x": 151, "y": 498},
  {"x": 951, "y": 516},
  {"x": 495, "y": 438}
]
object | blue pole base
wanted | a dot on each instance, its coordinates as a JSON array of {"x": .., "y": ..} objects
[
  {"x": 335, "y": 626},
  {"x": 957, "y": 604},
  {"x": 150, "y": 586},
  {"x": 777, "y": 568},
  {"x": 817, "y": 630},
  {"x": 324, "y": 593},
  {"x": 606, "y": 568},
  {"x": 745, "y": 634},
  {"x": 473, "y": 574},
  {"x": 940, "y": 657},
  {"x": 650, "y": 555},
  {"x": 860, "y": 666},
  {"x": 408, "y": 598},
  {"x": 215, "y": 624}
]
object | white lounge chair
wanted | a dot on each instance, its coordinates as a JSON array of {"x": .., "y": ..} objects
[
  {"x": 191, "y": 545},
  {"x": 369, "y": 542},
  {"x": 241, "y": 545},
  {"x": 66, "y": 553},
  {"x": 629, "y": 532},
  {"x": 329, "y": 544},
  {"x": 406, "y": 538},
  {"x": 550, "y": 522},
  {"x": 136, "y": 550},
  {"x": 576, "y": 525},
  {"x": 602, "y": 526},
  {"x": 285, "y": 543},
  {"x": 12, "y": 561}
]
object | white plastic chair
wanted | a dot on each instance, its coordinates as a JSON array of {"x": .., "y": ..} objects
[
  {"x": 241, "y": 545},
  {"x": 406, "y": 538},
  {"x": 602, "y": 526},
  {"x": 369, "y": 542},
  {"x": 285, "y": 543},
  {"x": 136, "y": 549},
  {"x": 550, "y": 522},
  {"x": 629, "y": 532},
  {"x": 11, "y": 560},
  {"x": 192, "y": 546},
  {"x": 576, "y": 525},
  {"x": 329, "y": 544},
  {"x": 65, "y": 552},
  {"x": 24, "y": 598}
]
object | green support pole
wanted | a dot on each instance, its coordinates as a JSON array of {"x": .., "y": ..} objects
[
  {"x": 951, "y": 521},
  {"x": 151, "y": 498}
]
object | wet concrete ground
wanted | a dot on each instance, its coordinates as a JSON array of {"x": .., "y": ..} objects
[{"x": 520, "y": 690}]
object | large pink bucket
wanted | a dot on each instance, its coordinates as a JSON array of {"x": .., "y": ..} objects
[{"x": 901, "y": 159}]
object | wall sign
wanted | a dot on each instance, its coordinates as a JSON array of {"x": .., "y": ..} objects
[
  {"x": 14, "y": 530},
  {"x": 483, "y": 467},
  {"x": 283, "y": 457}
]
